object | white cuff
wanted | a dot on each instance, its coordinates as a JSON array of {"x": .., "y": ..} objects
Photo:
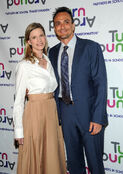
[{"x": 18, "y": 133}]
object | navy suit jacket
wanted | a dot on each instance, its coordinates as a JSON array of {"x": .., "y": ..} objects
[{"x": 88, "y": 82}]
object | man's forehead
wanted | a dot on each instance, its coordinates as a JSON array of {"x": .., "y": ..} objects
[{"x": 62, "y": 15}]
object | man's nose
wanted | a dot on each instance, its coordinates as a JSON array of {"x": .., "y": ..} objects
[{"x": 62, "y": 25}]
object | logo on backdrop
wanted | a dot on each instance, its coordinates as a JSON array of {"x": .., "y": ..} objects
[
  {"x": 4, "y": 119},
  {"x": 109, "y": 2},
  {"x": 4, "y": 73},
  {"x": 116, "y": 98},
  {"x": 5, "y": 162},
  {"x": 17, "y": 51},
  {"x": 80, "y": 18},
  {"x": 116, "y": 156},
  {"x": 117, "y": 42},
  {"x": 11, "y": 3},
  {"x": 3, "y": 28}
]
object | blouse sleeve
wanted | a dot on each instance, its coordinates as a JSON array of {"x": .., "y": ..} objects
[{"x": 20, "y": 91}]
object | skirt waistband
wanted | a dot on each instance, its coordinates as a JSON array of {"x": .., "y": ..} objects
[{"x": 33, "y": 97}]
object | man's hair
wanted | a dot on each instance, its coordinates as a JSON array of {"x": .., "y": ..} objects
[{"x": 63, "y": 9}]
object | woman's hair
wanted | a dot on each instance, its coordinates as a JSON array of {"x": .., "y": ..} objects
[{"x": 29, "y": 54}]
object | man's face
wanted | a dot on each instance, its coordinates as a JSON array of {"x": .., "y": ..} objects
[{"x": 63, "y": 26}]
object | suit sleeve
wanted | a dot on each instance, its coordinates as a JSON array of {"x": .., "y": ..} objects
[{"x": 99, "y": 77}]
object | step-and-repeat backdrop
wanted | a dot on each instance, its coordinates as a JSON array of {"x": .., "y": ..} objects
[{"x": 97, "y": 20}]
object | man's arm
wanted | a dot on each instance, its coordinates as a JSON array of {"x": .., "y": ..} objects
[{"x": 99, "y": 77}]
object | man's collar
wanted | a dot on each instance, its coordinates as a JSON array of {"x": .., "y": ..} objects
[{"x": 71, "y": 42}]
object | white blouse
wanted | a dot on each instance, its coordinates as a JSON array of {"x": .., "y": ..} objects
[{"x": 37, "y": 80}]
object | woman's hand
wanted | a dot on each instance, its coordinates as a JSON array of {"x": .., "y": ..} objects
[{"x": 20, "y": 141}]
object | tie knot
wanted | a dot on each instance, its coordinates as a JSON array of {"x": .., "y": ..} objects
[{"x": 65, "y": 48}]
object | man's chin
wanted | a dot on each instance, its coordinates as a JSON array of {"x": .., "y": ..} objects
[{"x": 62, "y": 37}]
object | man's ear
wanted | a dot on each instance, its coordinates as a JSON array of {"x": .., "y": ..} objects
[
  {"x": 73, "y": 27},
  {"x": 54, "y": 30}
]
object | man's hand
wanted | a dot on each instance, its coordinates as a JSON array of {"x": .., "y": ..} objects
[{"x": 95, "y": 128}]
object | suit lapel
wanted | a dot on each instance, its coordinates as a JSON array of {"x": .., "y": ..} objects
[
  {"x": 56, "y": 62},
  {"x": 76, "y": 57}
]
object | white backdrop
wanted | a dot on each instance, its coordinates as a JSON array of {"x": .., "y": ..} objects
[{"x": 98, "y": 20}]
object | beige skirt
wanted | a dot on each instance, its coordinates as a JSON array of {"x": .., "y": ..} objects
[{"x": 43, "y": 148}]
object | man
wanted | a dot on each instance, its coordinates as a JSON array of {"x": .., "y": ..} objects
[{"x": 82, "y": 103}]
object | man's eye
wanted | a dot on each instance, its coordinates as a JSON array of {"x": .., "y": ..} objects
[
  {"x": 67, "y": 22},
  {"x": 57, "y": 23}
]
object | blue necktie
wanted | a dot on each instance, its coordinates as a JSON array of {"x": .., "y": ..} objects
[{"x": 65, "y": 76}]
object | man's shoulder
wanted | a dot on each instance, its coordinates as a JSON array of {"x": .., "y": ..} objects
[
  {"x": 86, "y": 41},
  {"x": 55, "y": 47},
  {"x": 53, "y": 51}
]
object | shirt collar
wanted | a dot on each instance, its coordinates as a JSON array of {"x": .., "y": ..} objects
[{"x": 71, "y": 43}]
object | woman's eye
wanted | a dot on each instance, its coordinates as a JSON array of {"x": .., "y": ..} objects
[{"x": 33, "y": 37}]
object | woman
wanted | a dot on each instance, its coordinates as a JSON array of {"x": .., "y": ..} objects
[{"x": 41, "y": 147}]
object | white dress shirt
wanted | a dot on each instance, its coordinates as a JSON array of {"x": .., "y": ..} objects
[
  {"x": 70, "y": 51},
  {"x": 37, "y": 80}
]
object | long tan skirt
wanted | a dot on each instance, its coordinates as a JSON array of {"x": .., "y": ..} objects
[{"x": 43, "y": 148}]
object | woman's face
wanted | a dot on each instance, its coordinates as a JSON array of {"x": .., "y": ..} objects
[{"x": 37, "y": 40}]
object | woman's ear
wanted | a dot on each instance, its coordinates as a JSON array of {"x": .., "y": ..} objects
[{"x": 29, "y": 42}]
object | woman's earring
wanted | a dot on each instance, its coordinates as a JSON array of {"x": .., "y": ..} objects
[{"x": 32, "y": 54}]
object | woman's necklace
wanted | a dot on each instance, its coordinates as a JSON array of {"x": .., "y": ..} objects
[
  {"x": 42, "y": 62},
  {"x": 41, "y": 58}
]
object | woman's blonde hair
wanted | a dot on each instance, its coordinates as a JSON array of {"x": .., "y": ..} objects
[{"x": 29, "y": 54}]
